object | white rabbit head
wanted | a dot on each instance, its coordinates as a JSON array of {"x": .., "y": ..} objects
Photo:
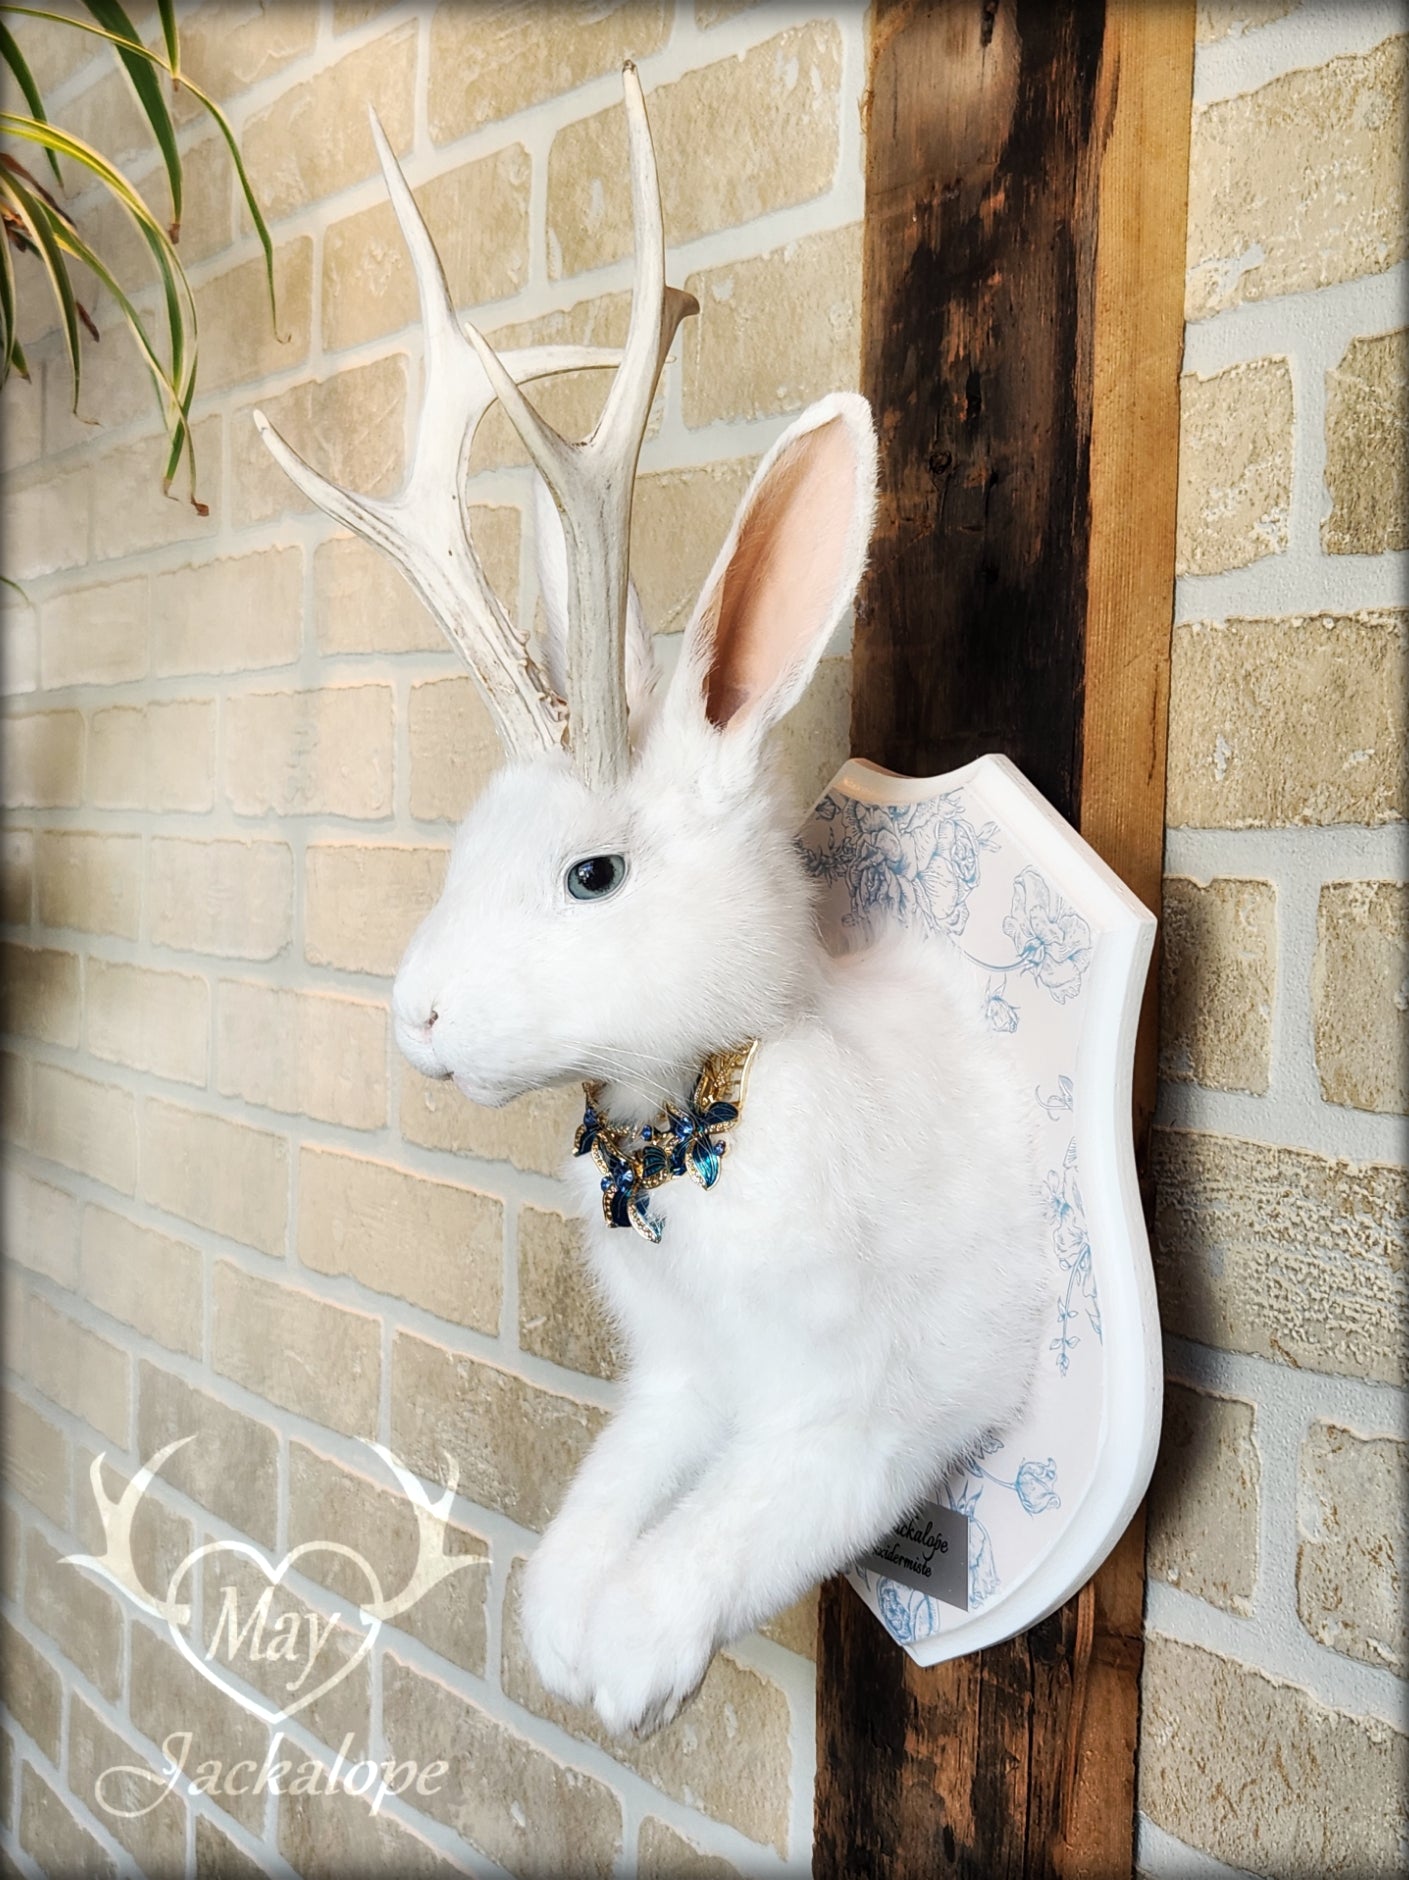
[{"x": 623, "y": 933}]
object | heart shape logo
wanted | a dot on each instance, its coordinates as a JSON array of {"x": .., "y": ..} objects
[{"x": 249, "y": 1627}]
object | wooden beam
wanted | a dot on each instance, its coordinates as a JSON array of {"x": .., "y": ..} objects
[{"x": 1024, "y": 261}]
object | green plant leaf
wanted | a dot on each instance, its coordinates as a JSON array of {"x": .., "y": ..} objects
[
  {"x": 138, "y": 63},
  {"x": 166, "y": 10},
  {"x": 38, "y": 218},
  {"x": 24, "y": 78}
]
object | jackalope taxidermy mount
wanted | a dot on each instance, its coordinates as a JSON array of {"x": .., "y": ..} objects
[{"x": 819, "y": 1321}]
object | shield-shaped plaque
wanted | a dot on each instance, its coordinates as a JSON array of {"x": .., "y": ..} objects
[{"x": 1059, "y": 949}]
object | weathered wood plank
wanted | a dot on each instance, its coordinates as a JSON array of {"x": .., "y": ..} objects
[{"x": 1026, "y": 174}]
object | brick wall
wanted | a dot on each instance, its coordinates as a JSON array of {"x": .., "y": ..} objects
[
  {"x": 235, "y": 751},
  {"x": 1276, "y": 1647}
]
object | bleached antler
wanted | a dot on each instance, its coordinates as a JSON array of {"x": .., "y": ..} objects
[
  {"x": 425, "y": 529},
  {"x": 592, "y": 482},
  {"x": 433, "y": 1564}
]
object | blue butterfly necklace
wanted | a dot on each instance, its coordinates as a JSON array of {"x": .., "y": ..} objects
[{"x": 679, "y": 1141}]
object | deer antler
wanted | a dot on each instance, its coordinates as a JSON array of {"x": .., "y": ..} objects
[
  {"x": 115, "y": 1563},
  {"x": 433, "y": 1564},
  {"x": 425, "y": 529},
  {"x": 592, "y": 482}
]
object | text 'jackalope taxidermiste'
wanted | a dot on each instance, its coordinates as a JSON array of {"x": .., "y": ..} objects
[{"x": 804, "y": 1178}]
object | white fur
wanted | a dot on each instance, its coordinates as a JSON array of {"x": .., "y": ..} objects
[{"x": 857, "y": 1300}]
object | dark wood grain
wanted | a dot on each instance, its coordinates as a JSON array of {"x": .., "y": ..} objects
[{"x": 1026, "y": 176}]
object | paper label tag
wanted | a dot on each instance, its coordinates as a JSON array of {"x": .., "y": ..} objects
[{"x": 929, "y": 1551}]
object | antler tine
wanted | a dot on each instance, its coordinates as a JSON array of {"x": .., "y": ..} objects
[
  {"x": 425, "y": 528},
  {"x": 592, "y": 482}
]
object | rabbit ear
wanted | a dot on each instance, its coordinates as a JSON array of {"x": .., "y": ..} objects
[
  {"x": 551, "y": 564},
  {"x": 788, "y": 571}
]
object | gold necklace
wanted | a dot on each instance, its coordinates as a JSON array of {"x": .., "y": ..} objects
[{"x": 678, "y": 1142}]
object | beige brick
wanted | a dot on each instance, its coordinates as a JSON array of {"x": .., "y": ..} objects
[
  {"x": 561, "y": 1316},
  {"x": 77, "y": 1611},
  {"x": 76, "y": 1369},
  {"x": 1259, "y": 1774},
  {"x": 315, "y": 140},
  {"x": 108, "y": 116},
  {"x": 149, "y": 1280},
  {"x": 1360, "y": 993},
  {"x": 230, "y": 1465},
  {"x": 454, "y": 748},
  {"x": 340, "y": 1711},
  {"x": 256, "y": 599},
  {"x": 87, "y": 1126},
  {"x": 572, "y": 403},
  {"x": 33, "y": 1692},
  {"x": 1230, "y": 19},
  {"x": 533, "y": 1132},
  {"x": 218, "y": 1857},
  {"x": 52, "y": 50},
  {"x": 42, "y": 993},
  {"x": 727, "y": 1753},
  {"x": 1298, "y": 184},
  {"x": 217, "y": 1173},
  {"x": 151, "y": 1021},
  {"x": 233, "y": 899},
  {"x": 517, "y": 1445},
  {"x": 363, "y": 902},
  {"x": 478, "y": 218},
  {"x": 1219, "y": 975},
  {"x": 207, "y": 183},
  {"x": 350, "y": 427},
  {"x": 227, "y": 48},
  {"x": 666, "y": 1855},
  {"x": 350, "y": 13},
  {"x": 307, "y": 1053},
  {"x": 16, "y": 876},
  {"x": 365, "y": 605},
  {"x": 782, "y": 97},
  {"x": 36, "y": 1458},
  {"x": 19, "y": 644},
  {"x": 1367, "y": 447},
  {"x": 796, "y": 1626},
  {"x": 330, "y": 1502},
  {"x": 89, "y": 881},
  {"x": 714, "y": 12},
  {"x": 363, "y": 1218},
  {"x": 1349, "y": 1571},
  {"x": 262, "y": 1334},
  {"x": 47, "y": 524},
  {"x": 1235, "y": 466},
  {"x": 240, "y": 342},
  {"x": 16, "y": 1098},
  {"x": 679, "y": 520},
  {"x": 156, "y": 756},
  {"x": 95, "y": 635},
  {"x": 327, "y": 1837},
  {"x": 1276, "y": 722},
  {"x": 115, "y": 387},
  {"x": 325, "y": 752},
  {"x": 1282, "y": 1253},
  {"x": 52, "y": 1836},
  {"x": 21, "y": 434},
  {"x": 502, "y": 1794},
  {"x": 774, "y": 332},
  {"x": 1203, "y": 1534},
  {"x": 149, "y": 1824},
  {"x": 131, "y": 511},
  {"x": 168, "y": 1692},
  {"x": 43, "y": 760},
  {"x": 40, "y": 1227},
  {"x": 161, "y": 1537},
  {"x": 488, "y": 64},
  {"x": 7, "y": 1781}
]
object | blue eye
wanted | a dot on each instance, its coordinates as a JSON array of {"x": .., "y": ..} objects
[{"x": 596, "y": 877}]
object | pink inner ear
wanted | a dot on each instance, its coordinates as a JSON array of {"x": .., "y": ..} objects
[{"x": 781, "y": 585}]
